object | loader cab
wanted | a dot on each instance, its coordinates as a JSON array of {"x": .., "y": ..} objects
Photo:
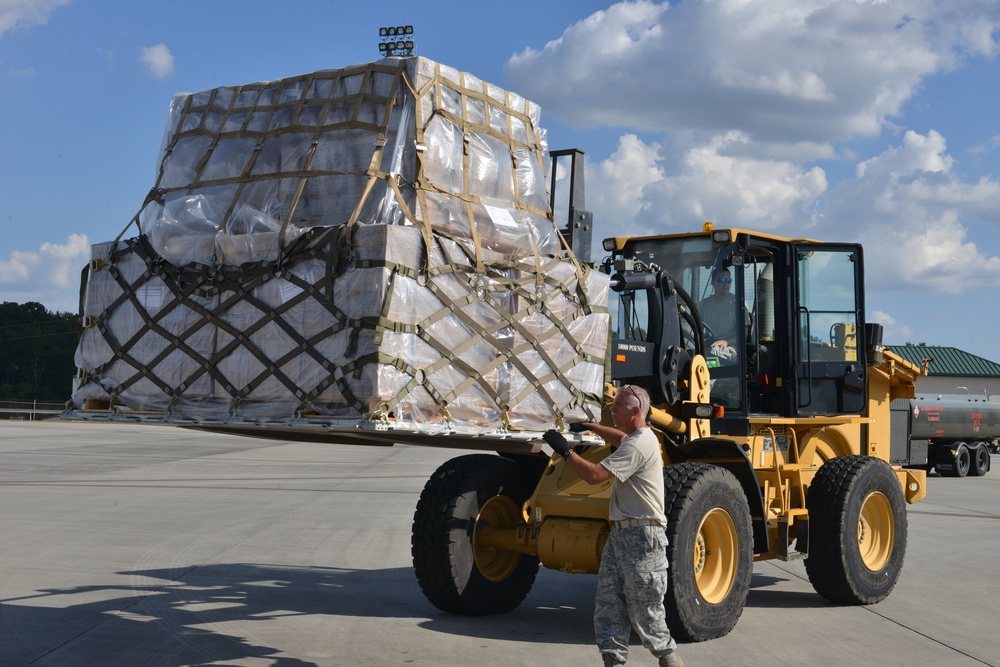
[{"x": 796, "y": 307}]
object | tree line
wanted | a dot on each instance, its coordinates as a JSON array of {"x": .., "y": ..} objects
[{"x": 36, "y": 352}]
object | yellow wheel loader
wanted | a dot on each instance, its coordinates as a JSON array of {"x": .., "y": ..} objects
[{"x": 776, "y": 446}]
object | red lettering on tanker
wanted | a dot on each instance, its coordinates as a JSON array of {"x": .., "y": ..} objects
[{"x": 933, "y": 418}]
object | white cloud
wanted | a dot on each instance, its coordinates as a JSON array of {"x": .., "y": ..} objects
[
  {"x": 749, "y": 94},
  {"x": 619, "y": 190},
  {"x": 49, "y": 275},
  {"x": 777, "y": 70},
  {"x": 24, "y": 13},
  {"x": 915, "y": 215},
  {"x": 891, "y": 330},
  {"x": 917, "y": 154},
  {"x": 158, "y": 60},
  {"x": 639, "y": 191},
  {"x": 885, "y": 319},
  {"x": 987, "y": 146}
]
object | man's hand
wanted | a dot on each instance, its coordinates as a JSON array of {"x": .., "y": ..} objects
[
  {"x": 558, "y": 443},
  {"x": 578, "y": 427}
]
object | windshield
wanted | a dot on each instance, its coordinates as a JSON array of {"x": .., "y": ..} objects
[
  {"x": 689, "y": 261},
  {"x": 730, "y": 299}
]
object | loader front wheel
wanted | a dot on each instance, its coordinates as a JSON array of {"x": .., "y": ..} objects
[
  {"x": 857, "y": 530},
  {"x": 463, "y": 496},
  {"x": 710, "y": 550}
]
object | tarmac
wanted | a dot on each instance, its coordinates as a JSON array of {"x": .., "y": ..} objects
[{"x": 155, "y": 545}]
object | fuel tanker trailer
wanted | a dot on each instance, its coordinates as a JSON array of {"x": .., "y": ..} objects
[{"x": 952, "y": 433}]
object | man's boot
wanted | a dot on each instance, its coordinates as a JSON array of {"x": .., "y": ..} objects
[{"x": 671, "y": 660}]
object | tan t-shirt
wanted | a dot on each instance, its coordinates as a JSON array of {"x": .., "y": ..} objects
[{"x": 637, "y": 492}]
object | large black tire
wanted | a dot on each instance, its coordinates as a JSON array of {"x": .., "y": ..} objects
[
  {"x": 857, "y": 530},
  {"x": 710, "y": 550},
  {"x": 980, "y": 460},
  {"x": 963, "y": 461},
  {"x": 442, "y": 547}
]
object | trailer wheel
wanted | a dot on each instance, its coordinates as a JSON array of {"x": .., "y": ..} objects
[
  {"x": 857, "y": 530},
  {"x": 980, "y": 461},
  {"x": 454, "y": 575},
  {"x": 963, "y": 461},
  {"x": 710, "y": 550}
]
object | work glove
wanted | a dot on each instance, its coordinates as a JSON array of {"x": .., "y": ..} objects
[
  {"x": 578, "y": 427},
  {"x": 558, "y": 443}
]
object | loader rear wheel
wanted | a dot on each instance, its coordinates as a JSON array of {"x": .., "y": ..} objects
[
  {"x": 464, "y": 494},
  {"x": 857, "y": 530},
  {"x": 710, "y": 550}
]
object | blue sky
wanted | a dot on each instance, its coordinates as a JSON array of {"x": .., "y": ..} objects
[{"x": 846, "y": 120}]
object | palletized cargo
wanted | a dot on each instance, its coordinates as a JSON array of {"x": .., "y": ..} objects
[{"x": 369, "y": 243}]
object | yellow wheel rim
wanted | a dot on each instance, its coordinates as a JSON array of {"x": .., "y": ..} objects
[
  {"x": 716, "y": 556},
  {"x": 876, "y": 530},
  {"x": 496, "y": 565}
]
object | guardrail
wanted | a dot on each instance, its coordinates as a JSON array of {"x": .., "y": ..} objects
[{"x": 29, "y": 410}]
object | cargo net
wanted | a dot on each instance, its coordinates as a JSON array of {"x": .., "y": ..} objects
[{"x": 367, "y": 243}]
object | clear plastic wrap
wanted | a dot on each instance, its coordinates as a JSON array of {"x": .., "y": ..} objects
[{"x": 366, "y": 243}]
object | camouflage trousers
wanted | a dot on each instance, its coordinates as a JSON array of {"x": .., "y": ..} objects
[{"x": 630, "y": 588}]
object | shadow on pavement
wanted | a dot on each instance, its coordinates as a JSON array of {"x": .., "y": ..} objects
[
  {"x": 179, "y": 616},
  {"x": 765, "y": 594},
  {"x": 195, "y": 615}
]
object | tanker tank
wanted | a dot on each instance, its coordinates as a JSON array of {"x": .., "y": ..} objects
[
  {"x": 955, "y": 417},
  {"x": 957, "y": 432}
]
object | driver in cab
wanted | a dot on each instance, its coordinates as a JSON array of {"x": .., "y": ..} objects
[{"x": 719, "y": 313}]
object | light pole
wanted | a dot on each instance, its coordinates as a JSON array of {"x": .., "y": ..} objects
[{"x": 396, "y": 41}]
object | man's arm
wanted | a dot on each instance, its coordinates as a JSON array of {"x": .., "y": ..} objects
[
  {"x": 591, "y": 473},
  {"x": 608, "y": 434}
]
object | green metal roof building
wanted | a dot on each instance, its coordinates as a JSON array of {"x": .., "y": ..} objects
[{"x": 952, "y": 371}]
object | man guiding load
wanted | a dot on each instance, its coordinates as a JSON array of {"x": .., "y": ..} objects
[{"x": 632, "y": 579}]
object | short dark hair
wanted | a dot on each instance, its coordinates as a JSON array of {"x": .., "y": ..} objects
[{"x": 718, "y": 272}]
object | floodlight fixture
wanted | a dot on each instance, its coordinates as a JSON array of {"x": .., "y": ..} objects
[{"x": 391, "y": 42}]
